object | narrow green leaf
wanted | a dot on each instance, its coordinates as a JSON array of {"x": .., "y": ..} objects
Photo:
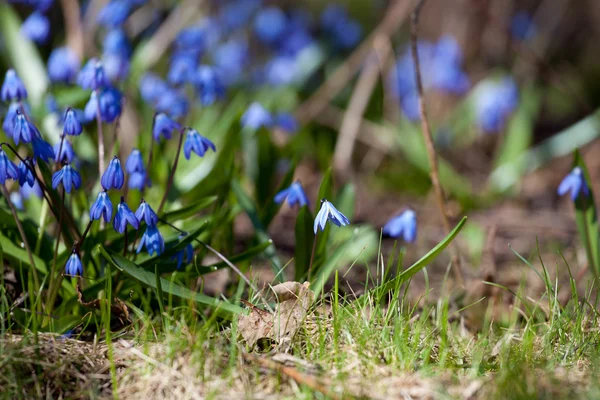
[
  {"x": 304, "y": 242},
  {"x": 149, "y": 279},
  {"x": 17, "y": 255},
  {"x": 346, "y": 200}
]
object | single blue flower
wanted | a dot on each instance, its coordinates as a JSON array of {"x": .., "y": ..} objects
[
  {"x": 329, "y": 213},
  {"x": 231, "y": 58},
  {"x": 173, "y": 103},
  {"x": 8, "y": 169},
  {"x": 575, "y": 183},
  {"x": 209, "y": 85},
  {"x": 403, "y": 225},
  {"x": 27, "y": 190},
  {"x": 23, "y": 130},
  {"x": 343, "y": 30},
  {"x": 494, "y": 103},
  {"x": 41, "y": 148},
  {"x": 92, "y": 75},
  {"x": 25, "y": 174},
  {"x": 256, "y": 116},
  {"x": 196, "y": 143},
  {"x": 296, "y": 40},
  {"x": 235, "y": 14},
  {"x": 286, "y": 122},
  {"x": 116, "y": 42},
  {"x": 74, "y": 266},
  {"x": 138, "y": 180},
  {"x": 163, "y": 126},
  {"x": 114, "y": 13},
  {"x": 12, "y": 87},
  {"x": 9, "y": 120},
  {"x": 71, "y": 124},
  {"x": 153, "y": 241},
  {"x": 36, "y": 28},
  {"x": 124, "y": 216},
  {"x": 110, "y": 105},
  {"x": 191, "y": 39},
  {"x": 113, "y": 177},
  {"x": 116, "y": 66},
  {"x": 152, "y": 87},
  {"x": 135, "y": 162},
  {"x": 146, "y": 213},
  {"x": 281, "y": 70},
  {"x": 102, "y": 208},
  {"x": 69, "y": 177},
  {"x": 270, "y": 24},
  {"x": 187, "y": 252},
  {"x": 522, "y": 26},
  {"x": 182, "y": 68},
  {"x": 67, "y": 154},
  {"x": 293, "y": 194}
]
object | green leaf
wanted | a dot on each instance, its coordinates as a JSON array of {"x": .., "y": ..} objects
[
  {"x": 304, "y": 242},
  {"x": 422, "y": 263},
  {"x": 188, "y": 211},
  {"x": 250, "y": 208},
  {"x": 149, "y": 279},
  {"x": 346, "y": 200},
  {"x": 587, "y": 220},
  {"x": 238, "y": 258},
  {"x": 267, "y": 163},
  {"x": 17, "y": 255}
]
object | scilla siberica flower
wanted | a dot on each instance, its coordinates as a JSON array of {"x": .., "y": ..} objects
[
  {"x": 194, "y": 142},
  {"x": 293, "y": 194},
  {"x": 41, "y": 148},
  {"x": 494, "y": 102},
  {"x": 173, "y": 103},
  {"x": 135, "y": 162},
  {"x": 36, "y": 27},
  {"x": 256, "y": 116},
  {"x": 9, "y": 120},
  {"x": 110, "y": 105},
  {"x": 92, "y": 75},
  {"x": 344, "y": 31},
  {"x": 146, "y": 213},
  {"x": 187, "y": 252},
  {"x": 153, "y": 241},
  {"x": 231, "y": 58},
  {"x": 26, "y": 190},
  {"x": 25, "y": 174},
  {"x": 69, "y": 178},
  {"x": 113, "y": 177},
  {"x": 67, "y": 154},
  {"x": 286, "y": 122},
  {"x": 116, "y": 66},
  {"x": 182, "y": 68},
  {"x": 73, "y": 266},
  {"x": 163, "y": 126},
  {"x": 270, "y": 24},
  {"x": 114, "y": 13},
  {"x": 63, "y": 65},
  {"x": 102, "y": 207},
  {"x": 116, "y": 42},
  {"x": 23, "y": 130},
  {"x": 124, "y": 216},
  {"x": 152, "y": 87},
  {"x": 403, "y": 225},
  {"x": 208, "y": 84},
  {"x": 575, "y": 183},
  {"x": 71, "y": 124},
  {"x": 12, "y": 87},
  {"x": 329, "y": 213},
  {"x": 8, "y": 169}
]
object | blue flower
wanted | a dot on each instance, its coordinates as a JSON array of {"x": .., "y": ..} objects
[
  {"x": 23, "y": 129},
  {"x": 187, "y": 252},
  {"x": 231, "y": 58},
  {"x": 113, "y": 177},
  {"x": 575, "y": 183},
  {"x": 163, "y": 126},
  {"x": 110, "y": 105},
  {"x": 67, "y": 154},
  {"x": 153, "y": 241},
  {"x": 36, "y": 27},
  {"x": 146, "y": 213},
  {"x": 256, "y": 116},
  {"x": 329, "y": 213},
  {"x": 208, "y": 84},
  {"x": 73, "y": 266},
  {"x": 69, "y": 177},
  {"x": 12, "y": 87},
  {"x": 494, "y": 102},
  {"x": 286, "y": 122},
  {"x": 135, "y": 162},
  {"x": 42, "y": 5},
  {"x": 281, "y": 70},
  {"x": 522, "y": 26},
  {"x": 8, "y": 169},
  {"x": 190, "y": 39},
  {"x": 102, "y": 208},
  {"x": 114, "y": 13},
  {"x": 344, "y": 31},
  {"x": 71, "y": 124},
  {"x": 152, "y": 87},
  {"x": 235, "y": 14},
  {"x": 173, "y": 102},
  {"x": 41, "y": 148},
  {"x": 403, "y": 225},
  {"x": 270, "y": 24},
  {"x": 182, "y": 68},
  {"x": 293, "y": 194},
  {"x": 25, "y": 174},
  {"x": 92, "y": 75},
  {"x": 116, "y": 66},
  {"x": 196, "y": 143},
  {"x": 26, "y": 190},
  {"x": 138, "y": 180},
  {"x": 124, "y": 216},
  {"x": 9, "y": 120},
  {"x": 116, "y": 42}
]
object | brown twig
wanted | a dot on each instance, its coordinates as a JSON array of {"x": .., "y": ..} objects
[
  {"x": 73, "y": 26},
  {"x": 431, "y": 153}
]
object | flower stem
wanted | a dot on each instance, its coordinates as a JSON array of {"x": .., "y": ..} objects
[
  {"x": 172, "y": 174},
  {"x": 52, "y": 285},
  {"x": 100, "y": 135}
]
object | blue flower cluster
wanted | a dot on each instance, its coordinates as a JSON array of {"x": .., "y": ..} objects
[
  {"x": 495, "y": 101},
  {"x": 441, "y": 70},
  {"x": 256, "y": 117}
]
